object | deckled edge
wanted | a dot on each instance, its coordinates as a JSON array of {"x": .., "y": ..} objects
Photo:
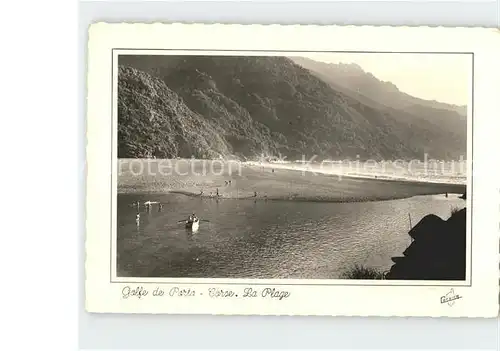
[
  {"x": 96, "y": 24},
  {"x": 211, "y": 25},
  {"x": 298, "y": 25},
  {"x": 86, "y": 112}
]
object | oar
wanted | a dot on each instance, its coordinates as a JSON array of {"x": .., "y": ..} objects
[
  {"x": 182, "y": 220},
  {"x": 204, "y": 220}
]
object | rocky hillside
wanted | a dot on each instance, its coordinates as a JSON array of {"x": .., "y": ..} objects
[
  {"x": 183, "y": 106},
  {"x": 153, "y": 120}
]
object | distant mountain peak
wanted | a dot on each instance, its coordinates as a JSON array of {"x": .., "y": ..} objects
[
  {"x": 351, "y": 77},
  {"x": 349, "y": 66}
]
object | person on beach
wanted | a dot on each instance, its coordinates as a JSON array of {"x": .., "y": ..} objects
[
  {"x": 138, "y": 218},
  {"x": 217, "y": 192},
  {"x": 201, "y": 192},
  {"x": 254, "y": 194}
]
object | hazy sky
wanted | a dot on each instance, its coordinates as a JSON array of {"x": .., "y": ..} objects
[{"x": 441, "y": 77}]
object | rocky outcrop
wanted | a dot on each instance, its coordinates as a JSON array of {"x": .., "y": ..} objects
[{"x": 437, "y": 252}]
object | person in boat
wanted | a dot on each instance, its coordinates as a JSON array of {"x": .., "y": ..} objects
[{"x": 192, "y": 218}]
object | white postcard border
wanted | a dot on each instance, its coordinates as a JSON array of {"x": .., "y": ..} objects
[{"x": 384, "y": 298}]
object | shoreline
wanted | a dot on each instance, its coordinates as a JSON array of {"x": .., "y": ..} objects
[
  {"x": 283, "y": 184},
  {"x": 361, "y": 176},
  {"x": 367, "y": 176},
  {"x": 297, "y": 199}
]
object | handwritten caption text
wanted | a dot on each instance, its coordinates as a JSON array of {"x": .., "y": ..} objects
[{"x": 139, "y": 292}]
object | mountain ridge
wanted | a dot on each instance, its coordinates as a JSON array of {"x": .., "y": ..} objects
[{"x": 246, "y": 106}]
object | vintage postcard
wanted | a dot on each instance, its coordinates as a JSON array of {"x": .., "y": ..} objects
[{"x": 292, "y": 170}]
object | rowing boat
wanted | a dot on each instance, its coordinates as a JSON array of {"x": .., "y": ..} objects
[{"x": 193, "y": 225}]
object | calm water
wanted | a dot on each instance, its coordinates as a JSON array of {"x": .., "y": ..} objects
[{"x": 274, "y": 239}]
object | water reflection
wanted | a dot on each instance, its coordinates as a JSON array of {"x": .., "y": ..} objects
[{"x": 273, "y": 239}]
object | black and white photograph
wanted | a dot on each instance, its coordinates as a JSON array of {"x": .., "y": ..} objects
[
  {"x": 299, "y": 165},
  {"x": 266, "y": 170}
]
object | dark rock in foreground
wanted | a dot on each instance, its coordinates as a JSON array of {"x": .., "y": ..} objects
[{"x": 437, "y": 251}]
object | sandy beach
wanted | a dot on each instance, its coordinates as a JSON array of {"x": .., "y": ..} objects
[{"x": 241, "y": 181}]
